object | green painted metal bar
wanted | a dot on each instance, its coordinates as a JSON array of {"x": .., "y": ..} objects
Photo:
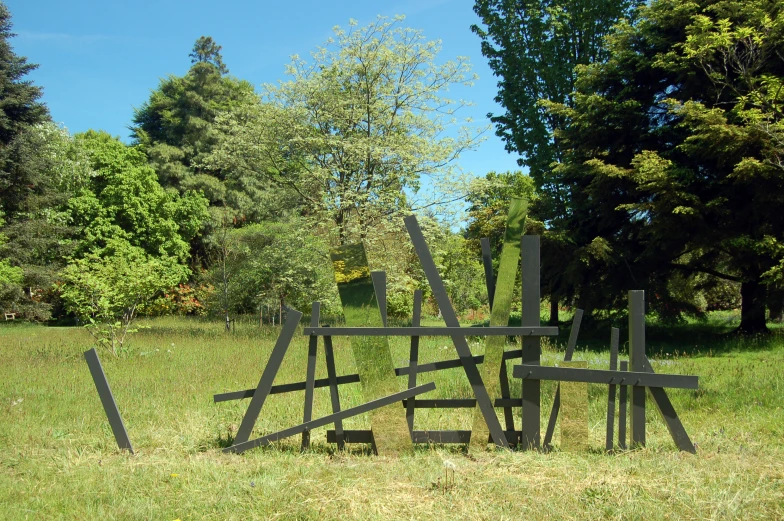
[
  {"x": 371, "y": 352},
  {"x": 570, "y": 345},
  {"x": 614, "y": 340},
  {"x": 637, "y": 364},
  {"x": 107, "y": 400},
  {"x": 326, "y": 420},
  {"x": 531, "y": 437},
  {"x": 461, "y": 346},
  {"x": 499, "y": 314},
  {"x": 268, "y": 376},
  {"x": 310, "y": 377}
]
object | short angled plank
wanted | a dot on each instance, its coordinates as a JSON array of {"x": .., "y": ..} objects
[{"x": 107, "y": 400}]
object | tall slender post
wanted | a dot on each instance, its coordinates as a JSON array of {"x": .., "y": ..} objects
[
  {"x": 614, "y": 336},
  {"x": 413, "y": 360},
  {"x": 623, "y": 398},
  {"x": 333, "y": 389},
  {"x": 310, "y": 378},
  {"x": 637, "y": 364},
  {"x": 107, "y": 400},
  {"x": 531, "y": 345}
]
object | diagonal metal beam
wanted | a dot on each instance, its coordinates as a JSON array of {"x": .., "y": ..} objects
[
  {"x": 268, "y": 376},
  {"x": 448, "y": 312},
  {"x": 107, "y": 400},
  {"x": 332, "y": 418},
  {"x": 674, "y": 425}
]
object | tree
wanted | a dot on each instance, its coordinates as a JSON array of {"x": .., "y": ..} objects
[
  {"x": 105, "y": 291},
  {"x": 175, "y": 129},
  {"x": 533, "y": 47},
  {"x": 672, "y": 138},
  {"x": 355, "y": 130}
]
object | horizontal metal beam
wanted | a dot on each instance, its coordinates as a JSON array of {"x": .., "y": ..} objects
[
  {"x": 332, "y": 418},
  {"x": 602, "y": 376},
  {"x": 462, "y": 437},
  {"x": 354, "y": 378},
  {"x": 431, "y": 331}
]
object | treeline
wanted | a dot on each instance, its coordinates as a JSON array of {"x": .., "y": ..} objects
[{"x": 652, "y": 133}]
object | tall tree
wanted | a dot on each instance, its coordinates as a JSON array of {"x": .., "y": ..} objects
[
  {"x": 533, "y": 47},
  {"x": 675, "y": 145},
  {"x": 356, "y": 129}
]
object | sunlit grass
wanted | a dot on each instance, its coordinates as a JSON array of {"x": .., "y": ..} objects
[{"x": 58, "y": 459}]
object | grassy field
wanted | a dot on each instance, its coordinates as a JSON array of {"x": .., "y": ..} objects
[{"x": 58, "y": 459}]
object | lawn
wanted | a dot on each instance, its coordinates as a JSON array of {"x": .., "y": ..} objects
[{"x": 58, "y": 459}]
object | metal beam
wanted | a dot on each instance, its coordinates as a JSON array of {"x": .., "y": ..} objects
[
  {"x": 530, "y": 317},
  {"x": 614, "y": 339},
  {"x": 603, "y": 376},
  {"x": 107, "y": 400},
  {"x": 310, "y": 375},
  {"x": 434, "y": 331},
  {"x": 637, "y": 364}
]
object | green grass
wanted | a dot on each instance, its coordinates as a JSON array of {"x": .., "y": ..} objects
[{"x": 58, "y": 459}]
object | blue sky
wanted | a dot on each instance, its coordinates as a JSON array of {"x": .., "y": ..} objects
[{"x": 100, "y": 59}]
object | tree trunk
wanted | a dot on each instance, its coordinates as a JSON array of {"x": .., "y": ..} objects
[
  {"x": 776, "y": 304},
  {"x": 752, "y": 311},
  {"x": 553, "y": 310}
]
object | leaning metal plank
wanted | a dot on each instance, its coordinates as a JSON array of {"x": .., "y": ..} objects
[
  {"x": 371, "y": 353},
  {"x": 434, "y": 437},
  {"x": 674, "y": 425},
  {"x": 499, "y": 314},
  {"x": 107, "y": 400},
  {"x": 434, "y": 331},
  {"x": 380, "y": 287},
  {"x": 268, "y": 376},
  {"x": 461, "y": 345},
  {"x": 334, "y": 395},
  {"x": 487, "y": 262},
  {"x": 530, "y": 316},
  {"x": 342, "y": 415},
  {"x": 310, "y": 377},
  {"x": 570, "y": 345},
  {"x": 623, "y": 398},
  {"x": 603, "y": 376},
  {"x": 614, "y": 338},
  {"x": 413, "y": 357},
  {"x": 637, "y": 364},
  {"x": 575, "y": 436}
]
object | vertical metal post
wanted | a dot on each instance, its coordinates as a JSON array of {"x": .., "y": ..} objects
[
  {"x": 333, "y": 389},
  {"x": 268, "y": 376},
  {"x": 413, "y": 360},
  {"x": 310, "y": 378},
  {"x": 531, "y": 345},
  {"x": 624, "y": 399},
  {"x": 637, "y": 364},
  {"x": 487, "y": 261},
  {"x": 107, "y": 400},
  {"x": 614, "y": 337}
]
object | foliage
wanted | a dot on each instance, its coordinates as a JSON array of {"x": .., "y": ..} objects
[
  {"x": 106, "y": 291},
  {"x": 672, "y": 137},
  {"x": 355, "y": 130}
]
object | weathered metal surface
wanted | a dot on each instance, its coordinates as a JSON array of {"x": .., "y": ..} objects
[
  {"x": 461, "y": 345},
  {"x": 637, "y": 364},
  {"x": 531, "y": 345},
  {"x": 268, "y": 376},
  {"x": 326, "y": 420},
  {"x": 371, "y": 353},
  {"x": 570, "y": 345},
  {"x": 107, "y": 400},
  {"x": 614, "y": 339},
  {"x": 499, "y": 314},
  {"x": 574, "y": 412}
]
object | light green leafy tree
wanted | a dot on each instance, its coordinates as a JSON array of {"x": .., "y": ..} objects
[{"x": 106, "y": 290}]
